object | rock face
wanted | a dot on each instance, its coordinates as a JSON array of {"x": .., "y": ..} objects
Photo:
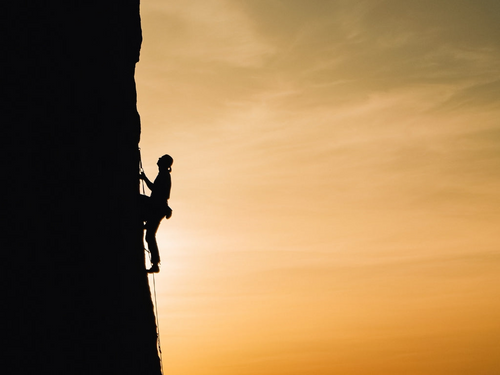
[{"x": 76, "y": 293}]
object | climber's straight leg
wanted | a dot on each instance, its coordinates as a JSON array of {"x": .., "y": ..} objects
[{"x": 151, "y": 227}]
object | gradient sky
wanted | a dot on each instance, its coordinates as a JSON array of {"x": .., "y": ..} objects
[{"x": 335, "y": 185}]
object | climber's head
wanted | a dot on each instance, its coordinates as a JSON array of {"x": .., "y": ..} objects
[{"x": 165, "y": 163}]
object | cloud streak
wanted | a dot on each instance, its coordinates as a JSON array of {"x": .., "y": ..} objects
[{"x": 208, "y": 32}]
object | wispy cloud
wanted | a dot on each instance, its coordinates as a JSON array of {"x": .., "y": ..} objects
[{"x": 208, "y": 31}]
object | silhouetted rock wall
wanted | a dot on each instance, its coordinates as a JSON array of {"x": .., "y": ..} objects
[{"x": 76, "y": 291}]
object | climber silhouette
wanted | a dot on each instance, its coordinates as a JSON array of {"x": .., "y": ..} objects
[{"x": 155, "y": 207}]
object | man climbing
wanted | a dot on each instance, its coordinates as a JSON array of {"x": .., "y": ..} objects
[{"x": 155, "y": 207}]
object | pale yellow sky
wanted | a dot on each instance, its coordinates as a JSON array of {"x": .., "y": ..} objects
[{"x": 335, "y": 185}]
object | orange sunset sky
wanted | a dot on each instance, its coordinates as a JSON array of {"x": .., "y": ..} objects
[{"x": 335, "y": 185}]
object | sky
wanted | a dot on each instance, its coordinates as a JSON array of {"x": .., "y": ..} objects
[{"x": 335, "y": 186}]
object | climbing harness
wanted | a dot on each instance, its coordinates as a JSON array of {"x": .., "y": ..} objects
[{"x": 157, "y": 319}]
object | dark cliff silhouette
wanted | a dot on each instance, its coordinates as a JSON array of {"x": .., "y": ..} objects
[{"x": 76, "y": 292}]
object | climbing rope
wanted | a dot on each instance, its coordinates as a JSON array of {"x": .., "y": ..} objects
[
  {"x": 141, "y": 170},
  {"x": 157, "y": 319},
  {"x": 157, "y": 326}
]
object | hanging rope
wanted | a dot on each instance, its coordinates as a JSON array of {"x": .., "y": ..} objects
[
  {"x": 157, "y": 320},
  {"x": 157, "y": 326}
]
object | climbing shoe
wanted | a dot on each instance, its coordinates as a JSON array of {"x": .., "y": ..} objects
[{"x": 154, "y": 269}]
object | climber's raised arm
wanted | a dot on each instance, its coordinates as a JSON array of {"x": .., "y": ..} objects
[{"x": 142, "y": 176}]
